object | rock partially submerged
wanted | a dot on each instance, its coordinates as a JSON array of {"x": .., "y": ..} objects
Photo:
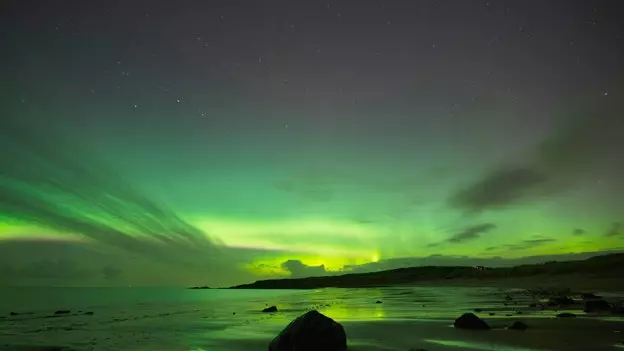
[
  {"x": 470, "y": 321},
  {"x": 589, "y": 296},
  {"x": 311, "y": 331},
  {"x": 270, "y": 309},
  {"x": 62, "y": 312}
]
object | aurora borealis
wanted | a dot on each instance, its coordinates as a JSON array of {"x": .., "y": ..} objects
[{"x": 155, "y": 142}]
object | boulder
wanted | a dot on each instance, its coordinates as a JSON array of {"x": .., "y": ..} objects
[
  {"x": 597, "y": 306},
  {"x": 517, "y": 325},
  {"x": 312, "y": 331},
  {"x": 378, "y": 301},
  {"x": 270, "y": 309},
  {"x": 62, "y": 312},
  {"x": 470, "y": 321}
]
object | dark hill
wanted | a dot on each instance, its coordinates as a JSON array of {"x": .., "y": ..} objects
[{"x": 598, "y": 267}]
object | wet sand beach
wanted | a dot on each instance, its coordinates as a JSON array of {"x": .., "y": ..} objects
[{"x": 397, "y": 318}]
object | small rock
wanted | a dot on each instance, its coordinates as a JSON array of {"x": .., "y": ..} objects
[
  {"x": 311, "y": 331},
  {"x": 233, "y": 313},
  {"x": 478, "y": 310},
  {"x": 491, "y": 313},
  {"x": 470, "y": 321},
  {"x": 270, "y": 309},
  {"x": 617, "y": 310},
  {"x": 13, "y": 314},
  {"x": 566, "y": 315},
  {"x": 378, "y": 301},
  {"x": 589, "y": 296},
  {"x": 509, "y": 315},
  {"x": 560, "y": 301},
  {"x": 597, "y": 306},
  {"x": 518, "y": 312},
  {"x": 533, "y": 305},
  {"x": 88, "y": 313},
  {"x": 517, "y": 325},
  {"x": 62, "y": 312}
]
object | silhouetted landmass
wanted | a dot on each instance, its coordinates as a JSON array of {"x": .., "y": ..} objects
[
  {"x": 199, "y": 287},
  {"x": 598, "y": 267}
]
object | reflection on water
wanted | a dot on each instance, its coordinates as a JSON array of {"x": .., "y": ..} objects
[
  {"x": 231, "y": 320},
  {"x": 480, "y": 346}
]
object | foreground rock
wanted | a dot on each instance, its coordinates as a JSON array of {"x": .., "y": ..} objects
[
  {"x": 311, "y": 331},
  {"x": 62, "y": 312},
  {"x": 470, "y": 321}
]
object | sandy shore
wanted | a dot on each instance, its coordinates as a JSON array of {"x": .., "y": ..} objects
[{"x": 407, "y": 318}]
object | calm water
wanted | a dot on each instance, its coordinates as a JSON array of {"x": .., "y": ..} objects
[{"x": 184, "y": 320}]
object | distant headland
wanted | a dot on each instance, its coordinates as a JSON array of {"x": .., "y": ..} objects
[{"x": 601, "y": 272}]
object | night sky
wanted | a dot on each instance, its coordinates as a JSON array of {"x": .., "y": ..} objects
[{"x": 221, "y": 142}]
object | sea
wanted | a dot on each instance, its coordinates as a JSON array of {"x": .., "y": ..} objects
[{"x": 178, "y": 319}]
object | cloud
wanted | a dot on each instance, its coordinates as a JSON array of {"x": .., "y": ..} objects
[
  {"x": 298, "y": 269},
  {"x": 51, "y": 183},
  {"x": 584, "y": 147},
  {"x": 471, "y": 233},
  {"x": 502, "y": 187},
  {"x": 579, "y": 231},
  {"x": 617, "y": 229},
  {"x": 527, "y": 244}
]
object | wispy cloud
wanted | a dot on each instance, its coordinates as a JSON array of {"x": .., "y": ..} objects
[
  {"x": 616, "y": 229},
  {"x": 583, "y": 148},
  {"x": 47, "y": 181}
]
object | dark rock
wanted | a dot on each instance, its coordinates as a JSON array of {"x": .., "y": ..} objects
[
  {"x": 492, "y": 313},
  {"x": 378, "y": 301},
  {"x": 617, "y": 310},
  {"x": 478, "y": 310},
  {"x": 566, "y": 315},
  {"x": 533, "y": 305},
  {"x": 62, "y": 312},
  {"x": 311, "y": 331},
  {"x": 589, "y": 296},
  {"x": 470, "y": 321},
  {"x": 508, "y": 298},
  {"x": 518, "y": 312},
  {"x": 560, "y": 301},
  {"x": 517, "y": 325},
  {"x": 509, "y": 315},
  {"x": 233, "y": 313},
  {"x": 597, "y": 306},
  {"x": 13, "y": 314},
  {"x": 270, "y": 309},
  {"x": 88, "y": 313}
]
